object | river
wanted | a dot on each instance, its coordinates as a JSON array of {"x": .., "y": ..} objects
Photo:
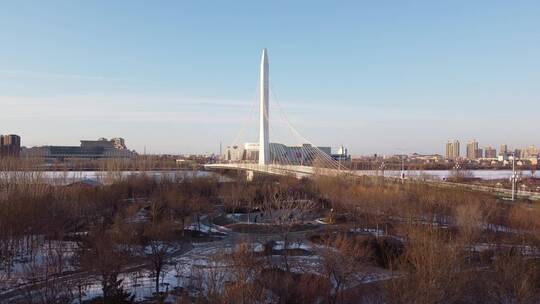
[
  {"x": 442, "y": 174},
  {"x": 67, "y": 177}
]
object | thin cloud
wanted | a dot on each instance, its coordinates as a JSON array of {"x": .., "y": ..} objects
[
  {"x": 37, "y": 74},
  {"x": 120, "y": 109}
]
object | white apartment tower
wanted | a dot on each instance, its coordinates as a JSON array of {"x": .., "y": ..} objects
[{"x": 452, "y": 149}]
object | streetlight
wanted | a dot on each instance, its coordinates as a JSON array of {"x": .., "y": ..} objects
[
  {"x": 402, "y": 155},
  {"x": 456, "y": 169}
]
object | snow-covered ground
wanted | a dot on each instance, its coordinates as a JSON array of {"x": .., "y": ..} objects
[
  {"x": 190, "y": 269},
  {"x": 50, "y": 254},
  {"x": 206, "y": 267},
  {"x": 373, "y": 231},
  {"x": 203, "y": 228}
]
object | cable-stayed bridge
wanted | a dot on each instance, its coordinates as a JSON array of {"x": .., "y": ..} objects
[{"x": 300, "y": 160}]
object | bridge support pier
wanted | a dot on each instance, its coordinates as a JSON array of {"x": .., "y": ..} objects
[{"x": 249, "y": 175}]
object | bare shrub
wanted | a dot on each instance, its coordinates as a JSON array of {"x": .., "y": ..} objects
[
  {"x": 430, "y": 270},
  {"x": 513, "y": 279}
]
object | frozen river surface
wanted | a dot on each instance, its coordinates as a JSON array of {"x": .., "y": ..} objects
[
  {"x": 67, "y": 177},
  {"x": 442, "y": 174}
]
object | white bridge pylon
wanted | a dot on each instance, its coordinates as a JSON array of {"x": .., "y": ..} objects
[
  {"x": 264, "y": 144},
  {"x": 301, "y": 159}
]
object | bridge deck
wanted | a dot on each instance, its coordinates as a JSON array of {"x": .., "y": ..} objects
[{"x": 275, "y": 169}]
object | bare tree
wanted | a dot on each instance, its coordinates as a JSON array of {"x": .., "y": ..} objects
[
  {"x": 244, "y": 267},
  {"x": 157, "y": 246},
  {"x": 47, "y": 284},
  {"x": 342, "y": 263},
  {"x": 181, "y": 206},
  {"x": 102, "y": 252}
]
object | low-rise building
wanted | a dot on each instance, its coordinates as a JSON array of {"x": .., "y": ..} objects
[
  {"x": 341, "y": 154},
  {"x": 426, "y": 158},
  {"x": 89, "y": 149}
]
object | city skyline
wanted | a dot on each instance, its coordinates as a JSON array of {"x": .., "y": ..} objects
[
  {"x": 375, "y": 78},
  {"x": 474, "y": 151},
  {"x": 451, "y": 150}
]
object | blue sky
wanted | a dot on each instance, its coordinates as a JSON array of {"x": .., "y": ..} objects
[{"x": 181, "y": 76}]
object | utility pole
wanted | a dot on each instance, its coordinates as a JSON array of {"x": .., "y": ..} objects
[
  {"x": 514, "y": 176},
  {"x": 402, "y": 169}
]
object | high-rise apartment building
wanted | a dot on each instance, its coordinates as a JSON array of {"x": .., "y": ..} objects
[
  {"x": 472, "y": 149},
  {"x": 530, "y": 152},
  {"x": 503, "y": 151},
  {"x": 10, "y": 145},
  {"x": 452, "y": 149},
  {"x": 490, "y": 152},
  {"x": 456, "y": 148},
  {"x": 449, "y": 150},
  {"x": 479, "y": 153}
]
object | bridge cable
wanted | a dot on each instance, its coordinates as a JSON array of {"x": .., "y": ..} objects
[{"x": 327, "y": 159}]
